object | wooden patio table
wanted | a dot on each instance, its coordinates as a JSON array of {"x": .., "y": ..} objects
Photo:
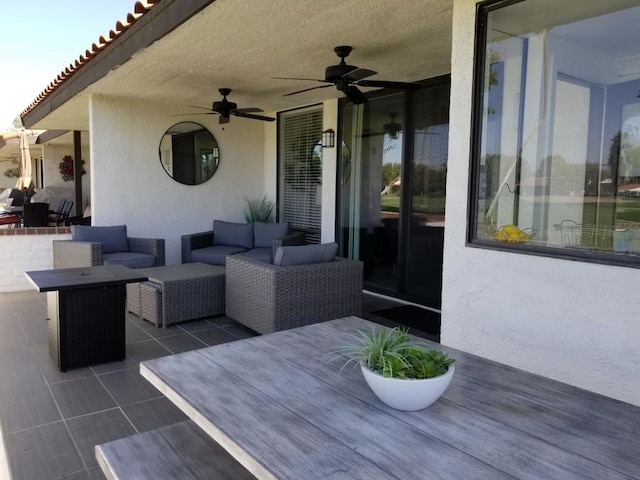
[{"x": 279, "y": 406}]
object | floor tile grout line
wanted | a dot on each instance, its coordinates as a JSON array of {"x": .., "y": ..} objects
[{"x": 66, "y": 426}]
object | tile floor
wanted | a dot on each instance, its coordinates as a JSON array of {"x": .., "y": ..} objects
[{"x": 52, "y": 420}]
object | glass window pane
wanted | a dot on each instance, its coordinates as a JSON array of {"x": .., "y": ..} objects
[{"x": 557, "y": 162}]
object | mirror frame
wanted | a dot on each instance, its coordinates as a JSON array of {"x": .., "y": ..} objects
[{"x": 200, "y": 156}]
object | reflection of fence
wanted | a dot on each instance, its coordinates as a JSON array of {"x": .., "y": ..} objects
[
  {"x": 618, "y": 238},
  {"x": 572, "y": 234}
]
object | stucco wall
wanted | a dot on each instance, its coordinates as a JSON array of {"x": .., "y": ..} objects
[
  {"x": 53, "y": 155},
  {"x": 129, "y": 186},
  {"x": 572, "y": 321}
]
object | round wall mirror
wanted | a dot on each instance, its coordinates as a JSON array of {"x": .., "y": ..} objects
[{"x": 189, "y": 153}]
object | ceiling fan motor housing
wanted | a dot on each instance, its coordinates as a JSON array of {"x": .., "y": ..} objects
[
  {"x": 334, "y": 73},
  {"x": 224, "y": 106}
]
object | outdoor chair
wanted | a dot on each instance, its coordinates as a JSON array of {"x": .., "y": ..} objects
[
  {"x": 91, "y": 246},
  {"x": 35, "y": 214},
  {"x": 58, "y": 210},
  {"x": 306, "y": 284},
  {"x": 17, "y": 196},
  {"x": 259, "y": 240},
  {"x": 84, "y": 219},
  {"x": 64, "y": 209},
  {"x": 10, "y": 219}
]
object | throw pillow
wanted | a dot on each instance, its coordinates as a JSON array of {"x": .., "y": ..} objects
[
  {"x": 113, "y": 238},
  {"x": 265, "y": 233},
  {"x": 233, "y": 234},
  {"x": 305, "y": 254}
]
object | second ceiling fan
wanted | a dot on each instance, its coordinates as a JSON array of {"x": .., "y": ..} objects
[
  {"x": 347, "y": 79},
  {"x": 225, "y": 109}
]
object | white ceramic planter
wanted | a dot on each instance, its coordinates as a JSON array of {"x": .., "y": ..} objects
[{"x": 408, "y": 394}]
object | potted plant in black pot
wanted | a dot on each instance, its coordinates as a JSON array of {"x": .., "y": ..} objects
[{"x": 404, "y": 373}]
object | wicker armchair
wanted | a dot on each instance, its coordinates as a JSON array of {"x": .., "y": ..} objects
[
  {"x": 269, "y": 298},
  {"x": 132, "y": 252}
]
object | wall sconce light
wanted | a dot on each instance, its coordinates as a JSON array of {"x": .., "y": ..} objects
[{"x": 328, "y": 139}]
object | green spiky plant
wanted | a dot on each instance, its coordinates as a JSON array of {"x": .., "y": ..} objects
[
  {"x": 259, "y": 210},
  {"x": 393, "y": 353}
]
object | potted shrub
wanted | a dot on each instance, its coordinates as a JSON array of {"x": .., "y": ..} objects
[
  {"x": 404, "y": 373},
  {"x": 259, "y": 210}
]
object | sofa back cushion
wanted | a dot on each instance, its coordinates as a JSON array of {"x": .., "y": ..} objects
[
  {"x": 265, "y": 233},
  {"x": 305, "y": 254},
  {"x": 233, "y": 234},
  {"x": 113, "y": 238}
]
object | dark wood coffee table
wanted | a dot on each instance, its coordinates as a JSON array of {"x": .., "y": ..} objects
[{"x": 86, "y": 312}]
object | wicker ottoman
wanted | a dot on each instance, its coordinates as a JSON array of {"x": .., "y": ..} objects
[{"x": 178, "y": 293}]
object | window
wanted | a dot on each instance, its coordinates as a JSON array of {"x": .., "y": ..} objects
[
  {"x": 300, "y": 171},
  {"x": 556, "y": 155}
]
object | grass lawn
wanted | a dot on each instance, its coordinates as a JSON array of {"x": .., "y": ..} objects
[{"x": 391, "y": 203}]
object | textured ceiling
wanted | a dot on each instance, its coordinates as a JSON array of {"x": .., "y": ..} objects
[{"x": 243, "y": 44}]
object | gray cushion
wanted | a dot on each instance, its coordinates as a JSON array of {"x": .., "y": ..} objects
[
  {"x": 234, "y": 234},
  {"x": 305, "y": 254},
  {"x": 113, "y": 239},
  {"x": 215, "y": 255},
  {"x": 129, "y": 259},
  {"x": 265, "y": 233},
  {"x": 260, "y": 254}
]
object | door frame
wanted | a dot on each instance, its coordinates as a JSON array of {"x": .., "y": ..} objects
[{"x": 405, "y": 194}]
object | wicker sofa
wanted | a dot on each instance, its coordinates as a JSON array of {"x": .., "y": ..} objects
[
  {"x": 90, "y": 246},
  {"x": 268, "y": 297},
  {"x": 259, "y": 240}
]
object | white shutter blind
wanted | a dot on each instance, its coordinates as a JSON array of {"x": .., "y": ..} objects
[{"x": 300, "y": 166}]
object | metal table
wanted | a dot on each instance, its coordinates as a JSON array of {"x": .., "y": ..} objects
[{"x": 86, "y": 312}]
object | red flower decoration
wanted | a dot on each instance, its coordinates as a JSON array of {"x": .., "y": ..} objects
[{"x": 66, "y": 168}]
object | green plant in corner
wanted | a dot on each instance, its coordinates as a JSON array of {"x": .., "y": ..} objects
[
  {"x": 259, "y": 210},
  {"x": 392, "y": 353}
]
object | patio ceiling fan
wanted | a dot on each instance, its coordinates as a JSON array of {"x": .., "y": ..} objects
[
  {"x": 225, "y": 109},
  {"x": 392, "y": 128},
  {"x": 347, "y": 79}
]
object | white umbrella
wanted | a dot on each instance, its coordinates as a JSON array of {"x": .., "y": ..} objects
[{"x": 25, "y": 161}]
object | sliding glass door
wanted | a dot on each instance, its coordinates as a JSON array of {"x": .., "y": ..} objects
[{"x": 392, "y": 190}]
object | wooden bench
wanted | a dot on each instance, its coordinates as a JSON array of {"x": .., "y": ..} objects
[{"x": 181, "y": 451}]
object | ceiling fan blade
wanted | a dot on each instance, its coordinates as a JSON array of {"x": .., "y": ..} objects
[
  {"x": 189, "y": 114},
  {"x": 298, "y": 78},
  {"x": 389, "y": 84},
  {"x": 355, "y": 95},
  {"x": 223, "y": 119},
  {"x": 202, "y": 108},
  {"x": 248, "y": 110},
  {"x": 254, "y": 117},
  {"x": 357, "y": 74},
  {"x": 306, "y": 90}
]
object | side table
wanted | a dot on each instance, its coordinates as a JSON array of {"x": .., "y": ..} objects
[{"x": 86, "y": 310}]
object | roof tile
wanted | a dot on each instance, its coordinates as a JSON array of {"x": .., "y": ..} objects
[{"x": 140, "y": 8}]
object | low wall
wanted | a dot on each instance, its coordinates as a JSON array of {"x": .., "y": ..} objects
[{"x": 25, "y": 249}]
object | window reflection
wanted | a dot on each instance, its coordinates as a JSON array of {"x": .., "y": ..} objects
[{"x": 558, "y": 157}]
